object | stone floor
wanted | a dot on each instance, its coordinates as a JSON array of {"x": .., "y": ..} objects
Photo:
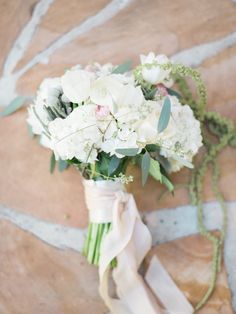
[{"x": 41, "y": 273}]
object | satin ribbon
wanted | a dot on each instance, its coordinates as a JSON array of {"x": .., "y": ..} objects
[{"x": 129, "y": 241}]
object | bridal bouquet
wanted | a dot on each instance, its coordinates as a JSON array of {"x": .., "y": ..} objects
[{"x": 101, "y": 118}]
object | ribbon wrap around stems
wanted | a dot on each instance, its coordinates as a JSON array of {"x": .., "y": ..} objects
[{"x": 129, "y": 241}]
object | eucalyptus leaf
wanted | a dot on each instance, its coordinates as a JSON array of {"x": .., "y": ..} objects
[
  {"x": 164, "y": 162},
  {"x": 154, "y": 170},
  {"x": 52, "y": 163},
  {"x": 62, "y": 165},
  {"x": 113, "y": 165},
  {"x": 130, "y": 152},
  {"x": 165, "y": 115},
  {"x": 152, "y": 147},
  {"x": 173, "y": 93},
  {"x": 122, "y": 68},
  {"x": 14, "y": 105},
  {"x": 145, "y": 166}
]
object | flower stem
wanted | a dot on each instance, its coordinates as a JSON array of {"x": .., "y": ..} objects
[{"x": 95, "y": 236}]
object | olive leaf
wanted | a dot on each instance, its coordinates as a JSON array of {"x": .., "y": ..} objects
[
  {"x": 14, "y": 105},
  {"x": 145, "y": 166},
  {"x": 130, "y": 152},
  {"x": 165, "y": 115},
  {"x": 122, "y": 68}
]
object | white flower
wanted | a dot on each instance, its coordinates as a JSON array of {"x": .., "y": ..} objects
[
  {"x": 106, "y": 91},
  {"x": 154, "y": 74},
  {"x": 76, "y": 85},
  {"x": 181, "y": 138},
  {"x": 49, "y": 91},
  {"x": 147, "y": 127},
  {"x": 130, "y": 103},
  {"x": 186, "y": 140},
  {"x": 124, "y": 138},
  {"x": 76, "y": 136}
]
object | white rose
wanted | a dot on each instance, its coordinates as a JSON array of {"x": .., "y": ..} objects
[
  {"x": 155, "y": 74},
  {"x": 76, "y": 85}
]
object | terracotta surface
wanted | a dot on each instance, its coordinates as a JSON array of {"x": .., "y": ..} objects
[
  {"x": 188, "y": 261},
  {"x": 36, "y": 278},
  {"x": 46, "y": 280},
  {"x": 61, "y": 281}
]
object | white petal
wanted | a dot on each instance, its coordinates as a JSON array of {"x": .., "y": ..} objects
[{"x": 76, "y": 85}]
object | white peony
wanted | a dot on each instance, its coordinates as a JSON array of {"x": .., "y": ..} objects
[
  {"x": 154, "y": 74},
  {"x": 76, "y": 85}
]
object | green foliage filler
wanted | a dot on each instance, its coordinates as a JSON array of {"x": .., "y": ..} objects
[{"x": 218, "y": 132}]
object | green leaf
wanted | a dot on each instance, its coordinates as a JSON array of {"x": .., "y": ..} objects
[
  {"x": 154, "y": 170},
  {"x": 113, "y": 165},
  {"x": 16, "y": 104},
  {"x": 122, "y": 68},
  {"x": 164, "y": 162},
  {"x": 62, "y": 165},
  {"x": 167, "y": 183},
  {"x": 152, "y": 147},
  {"x": 173, "y": 93},
  {"x": 52, "y": 163},
  {"x": 130, "y": 152},
  {"x": 165, "y": 115},
  {"x": 145, "y": 166}
]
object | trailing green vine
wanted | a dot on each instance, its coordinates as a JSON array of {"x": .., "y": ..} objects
[{"x": 218, "y": 132}]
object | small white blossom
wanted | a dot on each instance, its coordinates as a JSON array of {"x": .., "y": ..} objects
[{"x": 154, "y": 74}]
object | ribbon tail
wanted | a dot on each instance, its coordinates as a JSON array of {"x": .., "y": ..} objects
[
  {"x": 166, "y": 290},
  {"x": 129, "y": 241}
]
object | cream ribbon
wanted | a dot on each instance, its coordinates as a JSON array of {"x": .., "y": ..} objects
[{"x": 129, "y": 241}]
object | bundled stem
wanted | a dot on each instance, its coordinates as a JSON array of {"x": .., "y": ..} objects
[{"x": 92, "y": 246}]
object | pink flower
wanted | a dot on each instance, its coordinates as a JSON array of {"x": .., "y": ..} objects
[
  {"x": 102, "y": 111},
  {"x": 161, "y": 89}
]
